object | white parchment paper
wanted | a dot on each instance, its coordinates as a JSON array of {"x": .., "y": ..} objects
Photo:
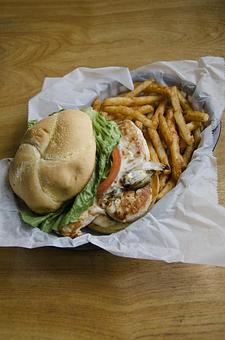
[{"x": 188, "y": 224}]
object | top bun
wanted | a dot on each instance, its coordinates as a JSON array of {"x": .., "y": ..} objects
[{"x": 54, "y": 161}]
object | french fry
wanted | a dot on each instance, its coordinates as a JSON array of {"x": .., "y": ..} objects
[
  {"x": 196, "y": 116},
  {"x": 164, "y": 129},
  {"x": 183, "y": 145},
  {"x": 144, "y": 109},
  {"x": 156, "y": 88},
  {"x": 197, "y": 136},
  {"x": 156, "y": 141},
  {"x": 154, "y": 186},
  {"x": 153, "y": 154},
  {"x": 136, "y": 83},
  {"x": 169, "y": 185},
  {"x": 139, "y": 88},
  {"x": 155, "y": 117},
  {"x": 184, "y": 103},
  {"x": 179, "y": 118},
  {"x": 176, "y": 158},
  {"x": 188, "y": 154},
  {"x": 105, "y": 114},
  {"x": 135, "y": 101},
  {"x": 139, "y": 124},
  {"x": 130, "y": 112},
  {"x": 97, "y": 104},
  {"x": 163, "y": 178},
  {"x": 193, "y": 125},
  {"x": 125, "y": 92},
  {"x": 149, "y": 115}
]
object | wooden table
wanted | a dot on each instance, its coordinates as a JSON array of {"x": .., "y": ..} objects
[{"x": 61, "y": 294}]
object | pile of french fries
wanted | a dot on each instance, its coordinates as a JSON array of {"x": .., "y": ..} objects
[{"x": 169, "y": 123}]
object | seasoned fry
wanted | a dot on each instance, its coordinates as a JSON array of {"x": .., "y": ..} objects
[
  {"x": 163, "y": 178},
  {"x": 164, "y": 129},
  {"x": 188, "y": 154},
  {"x": 144, "y": 109},
  {"x": 149, "y": 115},
  {"x": 139, "y": 88},
  {"x": 139, "y": 124},
  {"x": 156, "y": 88},
  {"x": 136, "y": 83},
  {"x": 196, "y": 116},
  {"x": 135, "y": 101},
  {"x": 153, "y": 154},
  {"x": 193, "y": 125},
  {"x": 179, "y": 118},
  {"x": 183, "y": 145},
  {"x": 97, "y": 104},
  {"x": 154, "y": 186},
  {"x": 130, "y": 112},
  {"x": 183, "y": 101},
  {"x": 176, "y": 158},
  {"x": 155, "y": 117},
  {"x": 197, "y": 137},
  {"x": 169, "y": 185},
  {"x": 156, "y": 141},
  {"x": 105, "y": 114}
]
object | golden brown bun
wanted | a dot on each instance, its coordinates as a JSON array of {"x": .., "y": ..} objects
[{"x": 54, "y": 161}]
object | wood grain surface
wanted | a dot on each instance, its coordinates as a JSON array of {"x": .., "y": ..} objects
[{"x": 60, "y": 294}]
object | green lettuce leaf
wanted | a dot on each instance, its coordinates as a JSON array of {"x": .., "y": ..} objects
[
  {"x": 31, "y": 123},
  {"x": 107, "y": 136}
]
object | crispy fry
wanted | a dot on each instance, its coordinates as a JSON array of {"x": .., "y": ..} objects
[
  {"x": 155, "y": 117},
  {"x": 153, "y": 154},
  {"x": 193, "y": 125},
  {"x": 157, "y": 88},
  {"x": 144, "y": 109},
  {"x": 135, "y": 101},
  {"x": 176, "y": 158},
  {"x": 149, "y": 115},
  {"x": 154, "y": 186},
  {"x": 97, "y": 104},
  {"x": 139, "y": 124},
  {"x": 169, "y": 185},
  {"x": 183, "y": 145},
  {"x": 196, "y": 116},
  {"x": 179, "y": 118},
  {"x": 188, "y": 154},
  {"x": 105, "y": 114},
  {"x": 130, "y": 112},
  {"x": 164, "y": 129},
  {"x": 136, "y": 83},
  {"x": 163, "y": 178},
  {"x": 139, "y": 88},
  {"x": 183, "y": 101},
  {"x": 156, "y": 141},
  {"x": 197, "y": 136}
]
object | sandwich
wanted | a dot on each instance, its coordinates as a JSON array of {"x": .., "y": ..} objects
[{"x": 76, "y": 169}]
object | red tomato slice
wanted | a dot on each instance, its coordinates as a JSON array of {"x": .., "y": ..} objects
[{"x": 105, "y": 184}]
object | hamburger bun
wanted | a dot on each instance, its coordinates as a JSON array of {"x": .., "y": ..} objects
[{"x": 55, "y": 160}]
